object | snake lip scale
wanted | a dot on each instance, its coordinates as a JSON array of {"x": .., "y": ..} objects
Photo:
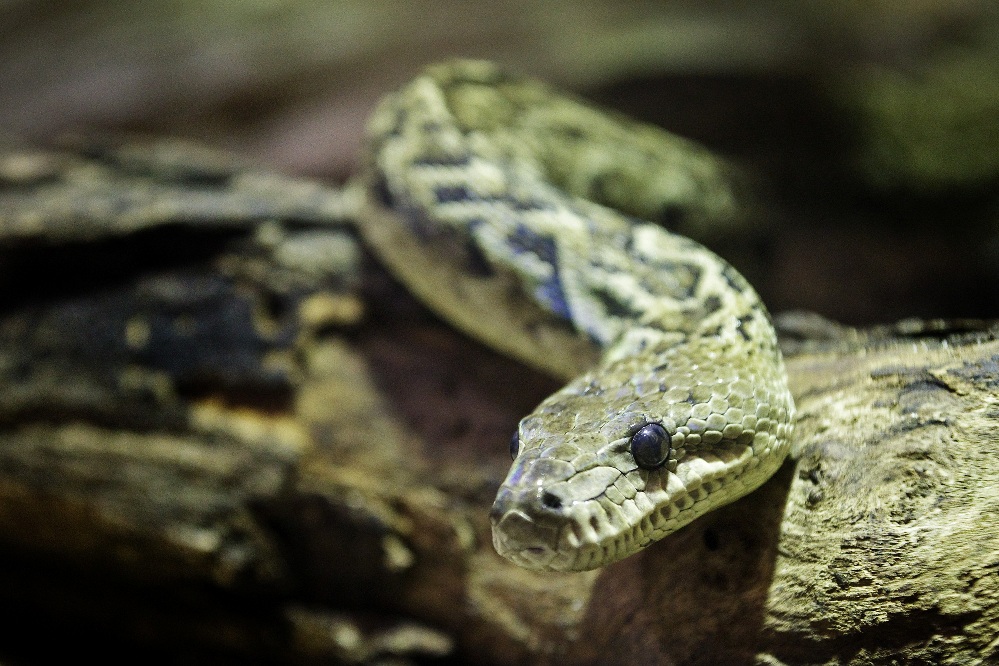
[{"x": 519, "y": 214}]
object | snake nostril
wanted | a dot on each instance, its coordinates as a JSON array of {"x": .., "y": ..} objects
[{"x": 551, "y": 500}]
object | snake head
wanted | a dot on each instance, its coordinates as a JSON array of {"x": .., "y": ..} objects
[
  {"x": 548, "y": 514},
  {"x": 552, "y": 510},
  {"x": 583, "y": 493}
]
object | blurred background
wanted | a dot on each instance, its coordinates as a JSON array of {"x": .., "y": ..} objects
[{"x": 870, "y": 129}]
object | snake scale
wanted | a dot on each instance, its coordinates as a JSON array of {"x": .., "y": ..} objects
[{"x": 517, "y": 214}]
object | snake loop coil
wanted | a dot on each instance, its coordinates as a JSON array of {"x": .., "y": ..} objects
[{"x": 520, "y": 215}]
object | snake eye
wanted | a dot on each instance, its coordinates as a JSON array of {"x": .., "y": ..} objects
[
  {"x": 650, "y": 446},
  {"x": 515, "y": 445}
]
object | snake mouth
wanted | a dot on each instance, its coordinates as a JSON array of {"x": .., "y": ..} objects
[{"x": 524, "y": 541}]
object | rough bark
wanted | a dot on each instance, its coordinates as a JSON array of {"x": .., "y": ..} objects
[{"x": 225, "y": 431}]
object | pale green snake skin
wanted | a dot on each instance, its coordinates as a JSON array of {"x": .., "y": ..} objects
[{"x": 499, "y": 203}]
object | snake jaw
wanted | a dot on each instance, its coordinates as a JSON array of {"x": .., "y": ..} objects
[{"x": 538, "y": 534}]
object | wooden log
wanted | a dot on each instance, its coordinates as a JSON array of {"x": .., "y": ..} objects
[{"x": 227, "y": 432}]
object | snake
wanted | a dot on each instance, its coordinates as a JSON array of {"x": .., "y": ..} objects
[{"x": 537, "y": 223}]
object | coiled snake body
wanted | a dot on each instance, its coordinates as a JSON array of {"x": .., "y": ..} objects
[{"x": 515, "y": 212}]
